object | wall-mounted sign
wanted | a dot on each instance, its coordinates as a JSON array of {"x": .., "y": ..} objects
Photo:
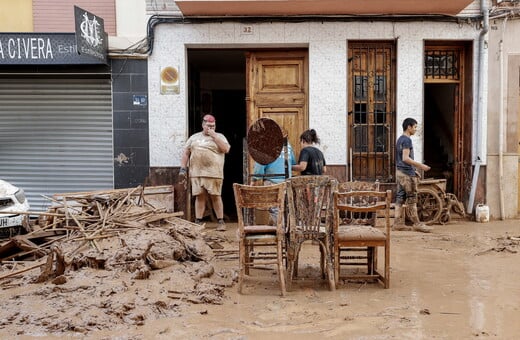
[
  {"x": 90, "y": 34},
  {"x": 170, "y": 80},
  {"x": 140, "y": 100},
  {"x": 41, "y": 49}
]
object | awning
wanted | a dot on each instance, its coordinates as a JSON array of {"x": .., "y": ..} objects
[{"x": 319, "y": 7}]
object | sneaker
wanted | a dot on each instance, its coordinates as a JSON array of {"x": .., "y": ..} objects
[
  {"x": 423, "y": 228},
  {"x": 221, "y": 226},
  {"x": 401, "y": 227},
  {"x": 198, "y": 221}
]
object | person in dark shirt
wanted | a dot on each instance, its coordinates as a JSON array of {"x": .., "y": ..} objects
[
  {"x": 407, "y": 179},
  {"x": 311, "y": 160}
]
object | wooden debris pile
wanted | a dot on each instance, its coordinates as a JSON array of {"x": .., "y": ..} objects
[
  {"x": 79, "y": 230},
  {"x": 507, "y": 243}
]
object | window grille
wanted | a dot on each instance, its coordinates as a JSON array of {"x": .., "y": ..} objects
[{"x": 442, "y": 64}]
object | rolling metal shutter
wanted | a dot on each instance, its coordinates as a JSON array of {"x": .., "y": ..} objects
[{"x": 56, "y": 136}]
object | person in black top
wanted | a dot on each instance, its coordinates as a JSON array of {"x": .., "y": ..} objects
[{"x": 311, "y": 160}]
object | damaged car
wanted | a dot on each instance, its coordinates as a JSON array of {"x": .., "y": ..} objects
[{"x": 12, "y": 199}]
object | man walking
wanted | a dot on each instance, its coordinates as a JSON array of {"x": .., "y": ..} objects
[
  {"x": 206, "y": 151},
  {"x": 407, "y": 179}
]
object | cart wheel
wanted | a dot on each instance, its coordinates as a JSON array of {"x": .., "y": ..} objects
[
  {"x": 445, "y": 218},
  {"x": 429, "y": 205}
]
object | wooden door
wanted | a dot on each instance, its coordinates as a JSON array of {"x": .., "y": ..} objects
[
  {"x": 458, "y": 143},
  {"x": 371, "y": 110},
  {"x": 277, "y": 88},
  {"x": 445, "y": 65}
]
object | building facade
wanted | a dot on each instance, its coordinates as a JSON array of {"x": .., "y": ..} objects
[
  {"x": 70, "y": 122},
  {"x": 503, "y": 110},
  {"x": 350, "y": 72}
]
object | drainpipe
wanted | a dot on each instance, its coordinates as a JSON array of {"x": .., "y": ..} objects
[
  {"x": 501, "y": 123},
  {"x": 482, "y": 77}
]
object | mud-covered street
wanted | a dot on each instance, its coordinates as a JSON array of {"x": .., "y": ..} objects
[{"x": 459, "y": 282}]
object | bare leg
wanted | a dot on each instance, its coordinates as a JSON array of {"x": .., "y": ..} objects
[
  {"x": 200, "y": 205},
  {"x": 218, "y": 206}
]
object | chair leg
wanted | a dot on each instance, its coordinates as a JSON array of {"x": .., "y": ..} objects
[
  {"x": 330, "y": 275},
  {"x": 326, "y": 263},
  {"x": 286, "y": 250},
  {"x": 330, "y": 268},
  {"x": 337, "y": 256},
  {"x": 370, "y": 260},
  {"x": 247, "y": 258},
  {"x": 375, "y": 258},
  {"x": 296, "y": 264},
  {"x": 387, "y": 265},
  {"x": 242, "y": 265},
  {"x": 290, "y": 269},
  {"x": 292, "y": 261},
  {"x": 281, "y": 268}
]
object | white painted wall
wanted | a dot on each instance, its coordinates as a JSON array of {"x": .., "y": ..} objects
[
  {"x": 327, "y": 43},
  {"x": 509, "y": 33},
  {"x": 131, "y": 20}
]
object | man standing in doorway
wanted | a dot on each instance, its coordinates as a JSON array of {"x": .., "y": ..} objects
[
  {"x": 206, "y": 151},
  {"x": 407, "y": 179}
]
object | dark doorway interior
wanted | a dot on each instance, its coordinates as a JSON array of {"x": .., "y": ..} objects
[
  {"x": 217, "y": 85},
  {"x": 439, "y": 106}
]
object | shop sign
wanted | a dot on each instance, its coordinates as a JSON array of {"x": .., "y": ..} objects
[
  {"x": 90, "y": 34},
  {"x": 42, "y": 49}
]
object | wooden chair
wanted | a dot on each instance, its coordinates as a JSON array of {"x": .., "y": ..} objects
[
  {"x": 355, "y": 226},
  {"x": 358, "y": 186},
  {"x": 309, "y": 201},
  {"x": 247, "y": 199},
  {"x": 358, "y": 257}
]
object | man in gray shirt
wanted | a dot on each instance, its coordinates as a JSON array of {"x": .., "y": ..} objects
[{"x": 407, "y": 179}]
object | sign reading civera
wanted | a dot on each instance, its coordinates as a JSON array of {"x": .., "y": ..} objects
[{"x": 41, "y": 49}]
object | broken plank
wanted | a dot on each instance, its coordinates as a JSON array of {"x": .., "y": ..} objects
[{"x": 22, "y": 271}]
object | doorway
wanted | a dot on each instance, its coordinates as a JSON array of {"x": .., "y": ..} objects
[
  {"x": 217, "y": 86},
  {"x": 439, "y": 130},
  {"x": 448, "y": 113},
  {"x": 371, "y": 110}
]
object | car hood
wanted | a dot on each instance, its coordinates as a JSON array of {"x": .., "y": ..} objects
[{"x": 7, "y": 188}]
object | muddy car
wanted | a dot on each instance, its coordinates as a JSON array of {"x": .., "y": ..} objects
[{"x": 12, "y": 199}]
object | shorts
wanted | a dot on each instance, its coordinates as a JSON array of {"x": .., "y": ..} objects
[{"x": 212, "y": 186}]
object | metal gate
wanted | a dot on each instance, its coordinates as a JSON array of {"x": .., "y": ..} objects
[{"x": 56, "y": 135}]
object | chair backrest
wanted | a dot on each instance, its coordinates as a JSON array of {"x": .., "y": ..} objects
[
  {"x": 360, "y": 207},
  {"x": 248, "y": 198},
  {"x": 309, "y": 200},
  {"x": 358, "y": 186},
  {"x": 365, "y": 218}
]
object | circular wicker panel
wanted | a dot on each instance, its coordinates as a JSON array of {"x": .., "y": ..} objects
[{"x": 265, "y": 140}]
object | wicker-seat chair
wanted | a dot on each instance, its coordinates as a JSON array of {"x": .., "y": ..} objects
[
  {"x": 355, "y": 228},
  {"x": 250, "y": 234}
]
